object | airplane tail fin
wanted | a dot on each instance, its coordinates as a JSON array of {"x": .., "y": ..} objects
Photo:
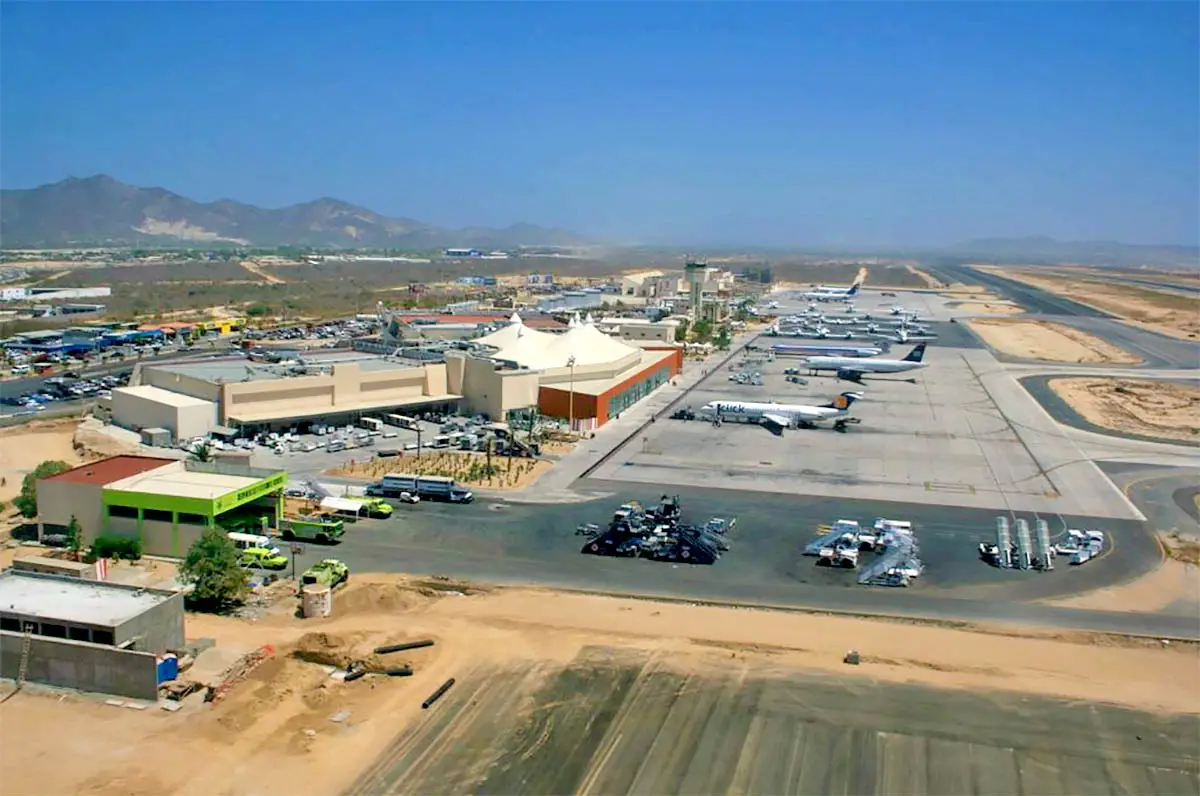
[
  {"x": 853, "y": 291},
  {"x": 917, "y": 354},
  {"x": 844, "y": 400}
]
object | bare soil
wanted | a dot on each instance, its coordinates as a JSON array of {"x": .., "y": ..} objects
[
  {"x": 22, "y": 448},
  {"x": 1048, "y": 341},
  {"x": 1163, "y": 410},
  {"x": 928, "y": 279},
  {"x": 509, "y": 473},
  {"x": 1166, "y": 312},
  {"x": 277, "y": 725},
  {"x": 1173, "y": 584}
]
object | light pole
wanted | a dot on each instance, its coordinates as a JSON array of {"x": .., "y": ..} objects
[{"x": 571, "y": 394}]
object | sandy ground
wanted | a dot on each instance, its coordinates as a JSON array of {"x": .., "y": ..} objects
[
  {"x": 23, "y": 448},
  {"x": 989, "y": 306},
  {"x": 925, "y": 277},
  {"x": 1173, "y": 585},
  {"x": 274, "y": 730},
  {"x": 512, "y": 473},
  {"x": 254, "y": 268},
  {"x": 1164, "y": 410},
  {"x": 1048, "y": 341},
  {"x": 1166, "y": 312}
]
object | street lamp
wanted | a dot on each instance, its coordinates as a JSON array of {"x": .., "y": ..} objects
[{"x": 571, "y": 394}]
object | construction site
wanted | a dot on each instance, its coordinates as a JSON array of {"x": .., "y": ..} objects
[{"x": 430, "y": 685}]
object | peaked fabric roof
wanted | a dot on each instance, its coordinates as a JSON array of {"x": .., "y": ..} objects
[
  {"x": 515, "y": 330},
  {"x": 583, "y": 341}
]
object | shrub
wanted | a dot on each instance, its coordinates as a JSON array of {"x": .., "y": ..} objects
[{"x": 117, "y": 547}]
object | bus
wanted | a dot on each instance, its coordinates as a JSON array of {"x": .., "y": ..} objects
[
  {"x": 372, "y": 424},
  {"x": 401, "y": 421}
]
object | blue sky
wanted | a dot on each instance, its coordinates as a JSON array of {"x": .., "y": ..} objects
[{"x": 774, "y": 124}]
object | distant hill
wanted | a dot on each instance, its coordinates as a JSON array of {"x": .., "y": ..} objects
[
  {"x": 1041, "y": 249},
  {"x": 102, "y": 210}
]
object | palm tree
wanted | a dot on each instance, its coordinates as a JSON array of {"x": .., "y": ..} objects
[{"x": 201, "y": 452}]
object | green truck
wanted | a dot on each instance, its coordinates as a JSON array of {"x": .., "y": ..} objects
[
  {"x": 329, "y": 572},
  {"x": 322, "y": 528}
]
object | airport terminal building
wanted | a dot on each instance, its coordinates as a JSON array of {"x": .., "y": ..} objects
[
  {"x": 166, "y": 503},
  {"x": 583, "y": 374}
]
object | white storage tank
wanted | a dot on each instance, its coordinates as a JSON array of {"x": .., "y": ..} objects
[{"x": 316, "y": 600}]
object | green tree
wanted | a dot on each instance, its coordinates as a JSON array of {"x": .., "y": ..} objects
[
  {"x": 258, "y": 309},
  {"x": 722, "y": 338},
  {"x": 201, "y": 452},
  {"x": 703, "y": 330},
  {"x": 74, "y": 538},
  {"x": 681, "y": 331},
  {"x": 213, "y": 570},
  {"x": 26, "y": 502}
]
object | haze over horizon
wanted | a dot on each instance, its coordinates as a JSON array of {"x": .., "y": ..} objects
[{"x": 764, "y": 124}]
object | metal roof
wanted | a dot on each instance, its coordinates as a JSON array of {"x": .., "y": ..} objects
[{"x": 115, "y": 468}]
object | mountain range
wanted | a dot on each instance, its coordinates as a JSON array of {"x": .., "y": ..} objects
[{"x": 100, "y": 210}]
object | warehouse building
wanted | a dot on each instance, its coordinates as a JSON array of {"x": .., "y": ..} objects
[
  {"x": 329, "y": 388},
  {"x": 581, "y": 374},
  {"x": 89, "y": 635},
  {"x": 165, "y": 503},
  {"x": 147, "y": 406}
]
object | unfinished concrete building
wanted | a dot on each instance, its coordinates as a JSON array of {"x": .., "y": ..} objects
[{"x": 89, "y": 635}]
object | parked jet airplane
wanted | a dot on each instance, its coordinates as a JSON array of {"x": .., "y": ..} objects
[
  {"x": 852, "y": 369},
  {"x": 826, "y": 349},
  {"x": 781, "y": 416}
]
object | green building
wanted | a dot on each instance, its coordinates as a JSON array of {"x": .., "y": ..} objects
[{"x": 165, "y": 503}]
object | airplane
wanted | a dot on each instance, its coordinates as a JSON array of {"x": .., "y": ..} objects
[
  {"x": 824, "y": 293},
  {"x": 827, "y": 349},
  {"x": 904, "y": 334},
  {"x": 852, "y": 369},
  {"x": 780, "y": 416}
]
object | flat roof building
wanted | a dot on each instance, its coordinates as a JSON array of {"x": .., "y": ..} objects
[
  {"x": 85, "y": 634},
  {"x": 147, "y": 406},
  {"x": 165, "y": 503}
]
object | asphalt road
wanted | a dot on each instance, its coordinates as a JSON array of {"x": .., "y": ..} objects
[
  {"x": 1031, "y": 298},
  {"x": 534, "y": 544},
  {"x": 1061, "y": 411},
  {"x": 613, "y": 722}
]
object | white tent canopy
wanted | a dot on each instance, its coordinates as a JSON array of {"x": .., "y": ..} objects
[{"x": 342, "y": 504}]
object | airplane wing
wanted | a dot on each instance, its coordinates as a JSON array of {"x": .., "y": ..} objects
[{"x": 778, "y": 420}]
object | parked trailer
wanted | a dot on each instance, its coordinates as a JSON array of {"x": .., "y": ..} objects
[{"x": 434, "y": 487}]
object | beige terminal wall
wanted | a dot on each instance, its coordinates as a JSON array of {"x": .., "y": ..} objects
[
  {"x": 348, "y": 388},
  {"x": 488, "y": 390}
]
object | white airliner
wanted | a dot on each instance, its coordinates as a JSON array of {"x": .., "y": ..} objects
[
  {"x": 853, "y": 368},
  {"x": 825, "y": 293},
  {"x": 780, "y": 415}
]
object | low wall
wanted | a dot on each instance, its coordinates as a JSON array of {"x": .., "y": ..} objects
[{"x": 77, "y": 664}]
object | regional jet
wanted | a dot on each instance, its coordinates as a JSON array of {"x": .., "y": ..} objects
[
  {"x": 852, "y": 369},
  {"x": 781, "y": 416}
]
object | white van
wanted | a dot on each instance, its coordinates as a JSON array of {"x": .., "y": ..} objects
[{"x": 244, "y": 541}]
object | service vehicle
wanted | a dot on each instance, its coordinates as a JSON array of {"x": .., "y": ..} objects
[
  {"x": 248, "y": 541},
  {"x": 321, "y": 528},
  {"x": 329, "y": 572},
  {"x": 263, "y": 558}
]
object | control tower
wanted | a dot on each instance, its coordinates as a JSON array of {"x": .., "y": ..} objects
[{"x": 696, "y": 270}]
